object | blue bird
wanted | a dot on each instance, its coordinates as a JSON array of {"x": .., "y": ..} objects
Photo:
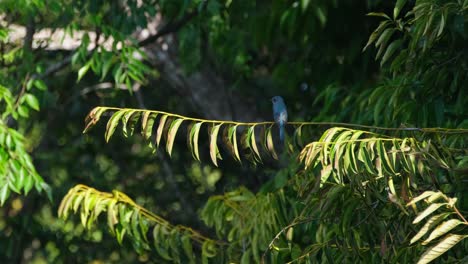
[{"x": 280, "y": 114}]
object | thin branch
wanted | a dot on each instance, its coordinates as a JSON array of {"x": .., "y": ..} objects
[
  {"x": 460, "y": 215},
  {"x": 425, "y": 130}
]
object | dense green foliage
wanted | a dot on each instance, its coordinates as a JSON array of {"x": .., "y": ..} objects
[{"x": 374, "y": 167}]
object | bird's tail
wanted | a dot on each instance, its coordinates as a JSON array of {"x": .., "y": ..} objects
[{"x": 281, "y": 132}]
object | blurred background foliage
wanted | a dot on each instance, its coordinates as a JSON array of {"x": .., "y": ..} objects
[{"x": 403, "y": 66}]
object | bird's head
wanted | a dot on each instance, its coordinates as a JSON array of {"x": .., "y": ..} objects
[{"x": 277, "y": 99}]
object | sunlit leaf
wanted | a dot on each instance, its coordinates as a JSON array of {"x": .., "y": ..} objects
[
  {"x": 443, "y": 246},
  {"x": 214, "y": 152},
  {"x": 4, "y": 194},
  {"x": 232, "y": 136},
  {"x": 32, "y": 101},
  {"x": 193, "y": 140},
  {"x": 442, "y": 229},
  {"x": 172, "y": 133},
  {"x": 434, "y": 220},
  {"x": 159, "y": 132},
  {"x": 253, "y": 142},
  {"x": 112, "y": 123},
  {"x": 269, "y": 143},
  {"x": 147, "y": 122},
  {"x": 422, "y": 196},
  {"x": 429, "y": 210}
]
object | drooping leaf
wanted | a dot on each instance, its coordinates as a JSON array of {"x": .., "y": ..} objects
[
  {"x": 193, "y": 140},
  {"x": 422, "y": 196},
  {"x": 253, "y": 142},
  {"x": 442, "y": 229},
  {"x": 147, "y": 123},
  {"x": 398, "y": 6},
  {"x": 127, "y": 121},
  {"x": 434, "y": 220},
  {"x": 214, "y": 152},
  {"x": 440, "y": 248},
  {"x": 112, "y": 123},
  {"x": 269, "y": 143},
  {"x": 392, "y": 48},
  {"x": 232, "y": 136},
  {"x": 4, "y": 194},
  {"x": 429, "y": 210},
  {"x": 172, "y": 133},
  {"x": 93, "y": 117},
  {"x": 159, "y": 132}
]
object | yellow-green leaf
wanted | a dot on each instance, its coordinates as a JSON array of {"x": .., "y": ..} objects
[
  {"x": 194, "y": 133},
  {"x": 442, "y": 229},
  {"x": 443, "y": 246},
  {"x": 434, "y": 220},
  {"x": 253, "y": 142},
  {"x": 269, "y": 143},
  {"x": 147, "y": 123},
  {"x": 172, "y": 133},
  {"x": 128, "y": 117},
  {"x": 429, "y": 210},
  {"x": 162, "y": 122},
  {"x": 422, "y": 196},
  {"x": 232, "y": 136},
  {"x": 112, "y": 123},
  {"x": 214, "y": 152}
]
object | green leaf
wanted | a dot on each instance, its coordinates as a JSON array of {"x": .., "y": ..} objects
[
  {"x": 376, "y": 33},
  {"x": 4, "y": 194},
  {"x": 83, "y": 70},
  {"x": 112, "y": 215},
  {"x": 398, "y": 6},
  {"x": 125, "y": 119},
  {"x": 442, "y": 229},
  {"x": 269, "y": 143},
  {"x": 187, "y": 246},
  {"x": 159, "y": 132},
  {"x": 443, "y": 246},
  {"x": 32, "y": 101},
  {"x": 376, "y": 14},
  {"x": 253, "y": 142},
  {"x": 429, "y": 210},
  {"x": 28, "y": 183},
  {"x": 159, "y": 238},
  {"x": 172, "y": 133},
  {"x": 39, "y": 84},
  {"x": 134, "y": 223},
  {"x": 112, "y": 123},
  {"x": 232, "y": 136},
  {"x": 441, "y": 24},
  {"x": 208, "y": 249},
  {"x": 147, "y": 123},
  {"x": 390, "y": 50},
  {"x": 214, "y": 152},
  {"x": 384, "y": 37},
  {"x": 194, "y": 133}
]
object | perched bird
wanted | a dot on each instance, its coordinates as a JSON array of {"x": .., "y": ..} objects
[{"x": 280, "y": 114}]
